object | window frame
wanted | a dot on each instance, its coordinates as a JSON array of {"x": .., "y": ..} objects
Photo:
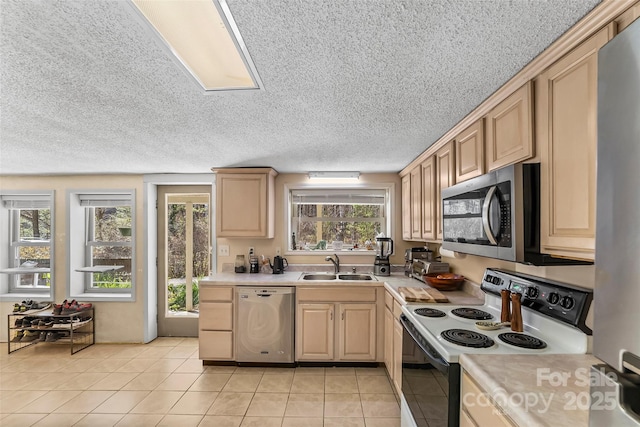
[
  {"x": 389, "y": 189},
  {"x": 10, "y": 243},
  {"x": 81, "y": 210}
]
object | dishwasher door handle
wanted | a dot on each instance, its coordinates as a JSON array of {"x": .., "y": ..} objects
[{"x": 264, "y": 295}]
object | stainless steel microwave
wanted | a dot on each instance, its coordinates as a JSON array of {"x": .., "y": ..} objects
[{"x": 497, "y": 215}]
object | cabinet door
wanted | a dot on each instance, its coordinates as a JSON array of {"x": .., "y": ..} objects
[
  {"x": 428, "y": 199},
  {"x": 243, "y": 205},
  {"x": 446, "y": 177},
  {"x": 315, "y": 332},
  {"x": 406, "y": 207},
  {"x": 483, "y": 413},
  {"x": 357, "y": 332},
  {"x": 567, "y": 140},
  {"x": 416, "y": 203},
  {"x": 388, "y": 342},
  {"x": 397, "y": 356},
  {"x": 469, "y": 146},
  {"x": 510, "y": 129}
]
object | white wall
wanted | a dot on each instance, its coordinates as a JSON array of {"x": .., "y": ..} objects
[{"x": 114, "y": 321}]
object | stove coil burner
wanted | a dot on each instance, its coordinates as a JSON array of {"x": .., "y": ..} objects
[
  {"x": 522, "y": 341},
  {"x": 467, "y": 338},
  {"x": 429, "y": 312},
  {"x": 471, "y": 313}
]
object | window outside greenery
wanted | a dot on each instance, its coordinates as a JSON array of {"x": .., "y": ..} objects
[
  {"x": 109, "y": 243},
  {"x": 26, "y": 228},
  {"x": 337, "y": 219},
  {"x": 177, "y": 252},
  {"x": 32, "y": 246}
]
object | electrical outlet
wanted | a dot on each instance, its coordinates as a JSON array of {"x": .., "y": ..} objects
[
  {"x": 252, "y": 250},
  {"x": 223, "y": 250},
  {"x": 278, "y": 251}
]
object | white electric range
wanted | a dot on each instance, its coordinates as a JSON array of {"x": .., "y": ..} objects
[{"x": 553, "y": 316}]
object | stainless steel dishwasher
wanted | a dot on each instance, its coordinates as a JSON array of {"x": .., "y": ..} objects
[{"x": 264, "y": 330}]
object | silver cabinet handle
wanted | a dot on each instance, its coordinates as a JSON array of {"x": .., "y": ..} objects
[{"x": 485, "y": 215}]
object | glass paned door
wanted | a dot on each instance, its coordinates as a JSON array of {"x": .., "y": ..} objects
[{"x": 184, "y": 256}]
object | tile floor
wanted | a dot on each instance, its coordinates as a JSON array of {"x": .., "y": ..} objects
[{"x": 163, "y": 383}]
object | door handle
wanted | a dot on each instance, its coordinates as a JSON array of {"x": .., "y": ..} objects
[{"x": 486, "y": 224}]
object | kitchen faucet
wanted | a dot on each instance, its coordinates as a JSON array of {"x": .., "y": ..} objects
[{"x": 336, "y": 262}]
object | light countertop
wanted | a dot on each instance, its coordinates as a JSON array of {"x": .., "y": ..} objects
[
  {"x": 536, "y": 390},
  {"x": 469, "y": 294}
]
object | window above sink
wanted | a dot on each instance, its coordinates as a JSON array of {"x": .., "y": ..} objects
[{"x": 337, "y": 219}]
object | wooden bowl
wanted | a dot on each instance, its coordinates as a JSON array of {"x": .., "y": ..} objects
[{"x": 444, "y": 281}]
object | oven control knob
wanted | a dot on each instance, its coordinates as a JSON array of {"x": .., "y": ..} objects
[
  {"x": 567, "y": 303},
  {"x": 553, "y": 298},
  {"x": 532, "y": 292}
]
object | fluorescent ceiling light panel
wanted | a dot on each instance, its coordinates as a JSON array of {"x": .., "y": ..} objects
[
  {"x": 205, "y": 39},
  {"x": 334, "y": 175}
]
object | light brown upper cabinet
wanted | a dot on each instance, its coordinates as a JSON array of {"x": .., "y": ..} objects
[
  {"x": 510, "y": 129},
  {"x": 566, "y": 132},
  {"x": 418, "y": 202},
  {"x": 406, "y": 207},
  {"x": 428, "y": 224},
  {"x": 245, "y": 202},
  {"x": 470, "y": 152},
  {"x": 624, "y": 20},
  {"x": 446, "y": 177},
  {"x": 415, "y": 176}
]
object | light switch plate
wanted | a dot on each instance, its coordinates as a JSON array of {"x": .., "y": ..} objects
[{"x": 223, "y": 250}]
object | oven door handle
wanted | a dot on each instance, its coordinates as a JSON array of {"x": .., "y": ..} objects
[
  {"x": 434, "y": 358},
  {"x": 486, "y": 211}
]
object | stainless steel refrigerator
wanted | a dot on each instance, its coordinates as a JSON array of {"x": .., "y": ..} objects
[{"x": 615, "y": 385}]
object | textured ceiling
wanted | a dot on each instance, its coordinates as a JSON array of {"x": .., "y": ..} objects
[{"x": 348, "y": 85}]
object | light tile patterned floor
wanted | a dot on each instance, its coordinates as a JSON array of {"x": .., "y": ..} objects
[{"x": 164, "y": 384}]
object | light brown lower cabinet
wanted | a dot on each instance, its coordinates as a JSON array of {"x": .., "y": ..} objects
[
  {"x": 397, "y": 356},
  {"x": 392, "y": 343},
  {"x": 393, "y": 348},
  {"x": 336, "y": 325},
  {"x": 215, "y": 324},
  {"x": 477, "y": 409}
]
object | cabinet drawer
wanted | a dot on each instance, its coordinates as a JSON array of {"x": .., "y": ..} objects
[
  {"x": 216, "y": 316},
  {"x": 479, "y": 406},
  {"x": 216, "y": 294},
  {"x": 216, "y": 345},
  {"x": 337, "y": 294}
]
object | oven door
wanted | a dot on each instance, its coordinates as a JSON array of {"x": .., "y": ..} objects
[{"x": 430, "y": 384}]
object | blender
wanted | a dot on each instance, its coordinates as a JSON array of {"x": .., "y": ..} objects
[{"x": 384, "y": 249}]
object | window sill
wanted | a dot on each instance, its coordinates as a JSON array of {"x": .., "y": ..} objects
[
  {"x": 106, "y": 297},
  {"x": 21, "y": 296},
  {"x": 356, "y": 252}
]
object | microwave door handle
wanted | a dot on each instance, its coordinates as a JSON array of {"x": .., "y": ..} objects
[{"x": 486, "y": 223}]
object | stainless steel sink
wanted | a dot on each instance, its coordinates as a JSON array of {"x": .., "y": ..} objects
[
  {"x": 319, "y": 276},
  {"x": 354, "y": 276}
]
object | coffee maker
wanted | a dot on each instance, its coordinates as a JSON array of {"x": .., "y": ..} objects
[{"x": 384, "y": 249}]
